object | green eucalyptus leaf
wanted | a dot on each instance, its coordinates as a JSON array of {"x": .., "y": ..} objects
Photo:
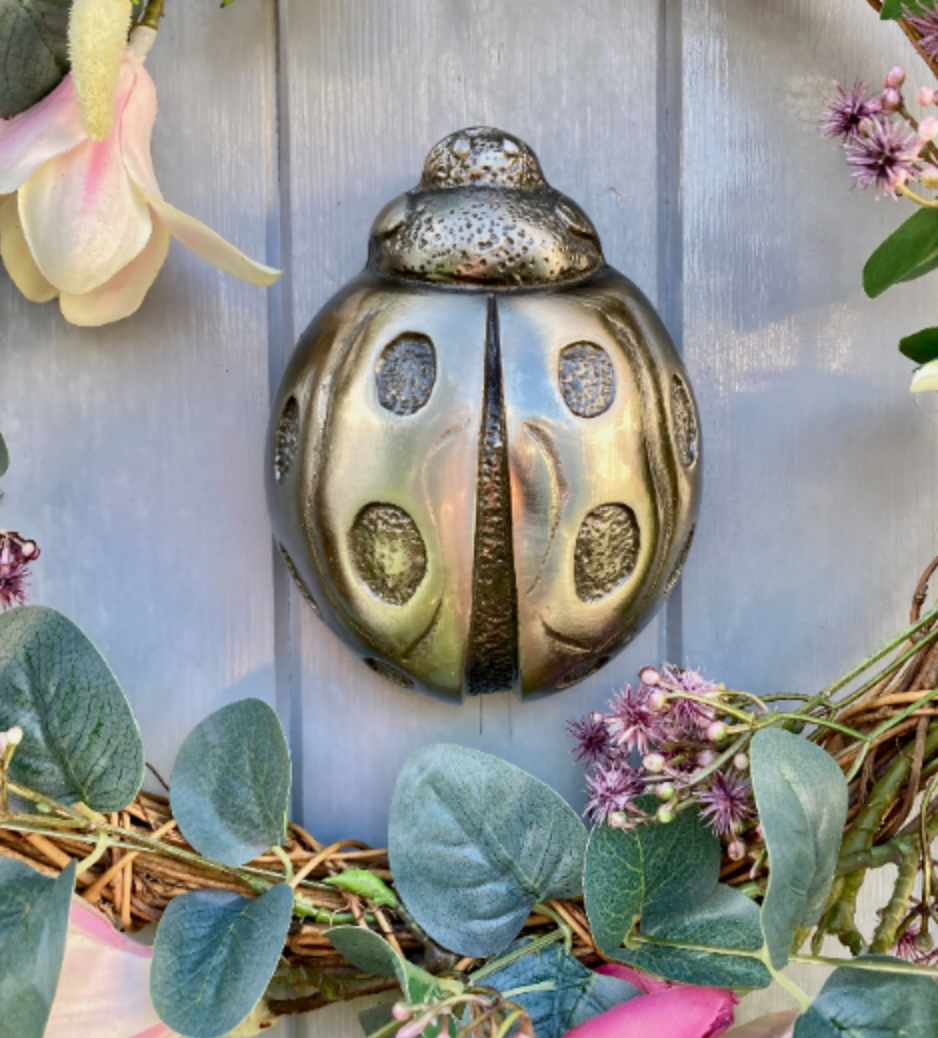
[
  {"x": 576, "y": 995},
  {"x": 33, "y": 926},
  {"x": 801, "y": 795},
  {"x": 4, "y": 455},
  {"x": 213, "y": 958},
  {"x": 861, "y": 1004},
  {"x": 230, "y": 787},
  {"x": 372, "y": 954},
  {"x": 910, "y": 252},
  {"x": 81, "y": 741},
  {"x": 376, "y": 1018},
  {"x": 920, "y": 347},
  {"x": 475, "y": 842},
  {"x": 34, "y": 51},
  {"x": 368, "y": 952},
  {"x": 893, "y": 9},
  {"x": 658, "y": 868},
  {"x": 726, "y": 919}
]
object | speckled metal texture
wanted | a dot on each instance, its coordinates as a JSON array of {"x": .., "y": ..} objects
[
  {"x": 483, "y": 214},
  {"x": 485, "y": 480}
]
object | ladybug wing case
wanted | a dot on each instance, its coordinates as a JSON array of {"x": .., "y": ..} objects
[{"x": 484, "y": 457}]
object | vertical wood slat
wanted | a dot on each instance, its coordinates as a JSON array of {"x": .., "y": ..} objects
[
  {"x": 137, "y": 448},
  {"x": 371, "y": 88},
  {"x": 820, "y": 487}
]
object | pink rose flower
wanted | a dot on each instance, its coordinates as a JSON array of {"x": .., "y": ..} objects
[
  {"x": 662, "y": 1011},
  {"x": 84, "y": 221}
]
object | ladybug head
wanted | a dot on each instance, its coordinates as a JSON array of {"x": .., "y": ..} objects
[{"x": 483, "y": 215}]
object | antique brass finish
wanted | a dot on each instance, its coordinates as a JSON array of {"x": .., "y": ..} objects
[{"x": 484, "y": 457}]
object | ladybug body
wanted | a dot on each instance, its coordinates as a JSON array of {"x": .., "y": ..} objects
[{"x": 483, "y": 463}]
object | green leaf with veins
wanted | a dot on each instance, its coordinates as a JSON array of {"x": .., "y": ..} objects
[
  {"x": 33, "y": 926},
  {"x": 214, "y": 955},
  {"x": 475, "y": 843},
  {"x": 658, "y": 868},
  {"x": 801, "y": 796},
  {"x": 664, "y": 878},
  {"x": 33, "y": 51},
  {"x": 372, "y": 954},
  {"x": 893, "y": 9},
  {"x": 910, "y": 252},
  {"x": 81, "y": 740},
  {"x": 576, "y": 993},
  {"x": 726, "y": 919},
  {"x": 230, "y": 787},
  {"x": 862, "y": 1004}
]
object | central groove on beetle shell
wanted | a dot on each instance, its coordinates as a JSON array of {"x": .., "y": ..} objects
[{"x": 492, "y": 653}]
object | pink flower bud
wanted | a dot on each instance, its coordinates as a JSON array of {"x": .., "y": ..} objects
[
  {"x": 664, "y": 791},
  {"x": 892, "y": 100},
  {"x": 928, "y": 129},
  {"x": 414, "y": 1029},
  {"x": 3, "y": 743},
  {"x": 28, "y": 549},
  {"x": 929, "y": 176},
  {"x": 15, "y": 736},
  {"x": 657, "y": 700},
  {"x": 926, "y": 96},
  {"x": 894, "y": 78},
  {"x": 717, "y": 731},
  {"x": 741, "y": 762},
  {"x": 736, "y": 851},
  {"x": 618, "y": 819},
  {"x": 760, "y": 832},
  {"x": 649, "y": 676},
  {"x": 401, "y": 1011},
  {"x": 654, "y": 763},
  {"x": 705, "y": 758},
  {"x": 665, "y": 815}
]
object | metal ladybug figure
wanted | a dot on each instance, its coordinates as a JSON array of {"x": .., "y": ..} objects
[{"x": 484, "y": 456}]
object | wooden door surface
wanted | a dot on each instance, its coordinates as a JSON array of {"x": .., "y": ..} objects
[{"x": 687, "y": 129}]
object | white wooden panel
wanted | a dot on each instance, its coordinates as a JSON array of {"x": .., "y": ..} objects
[
  {"x": 371, "y": 87},
  {"x": 137, "y": 449},
  {"x": 820, "y": 487}
]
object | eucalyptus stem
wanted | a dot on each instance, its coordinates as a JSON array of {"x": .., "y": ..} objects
[
  {"x": 884, "y": 940},
  {"x": 493, "y": 965},
  {"x": 790, "y": 986},
  {"x": 897, "y": 966},
  {"x": 101, "y": 846}
]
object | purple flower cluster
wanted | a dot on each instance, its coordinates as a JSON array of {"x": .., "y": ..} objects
[
  {"x": 15, "y": 556},
  {"x": 885, "y": 147},
  {"x": 659, "y": 738},
  {"x": 926, "y": 24}
]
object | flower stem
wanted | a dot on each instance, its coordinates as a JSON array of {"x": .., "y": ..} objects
[
  {"x": 927, "y": 203},
  {"x": 152, "y": 14}
]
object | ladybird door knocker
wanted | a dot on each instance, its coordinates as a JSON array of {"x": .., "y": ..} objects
[{"x": 484, "y": 456}]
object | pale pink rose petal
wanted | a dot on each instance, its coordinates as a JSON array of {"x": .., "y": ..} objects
[
  {"x": 678, "y": 1012},
  {"x": 51, "y": 127},
  {"x": 81, "y": 215},
  {"x": 137, "y": 128},
  {"x": 643, "y": 981},
  {"x": 17, "y": 258},
  {"x": 210, "y": 246},
  {"x": 104, "y": 989},
  {"x": 135, "y": 143},
  {"x": 124, "y": 293}
]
